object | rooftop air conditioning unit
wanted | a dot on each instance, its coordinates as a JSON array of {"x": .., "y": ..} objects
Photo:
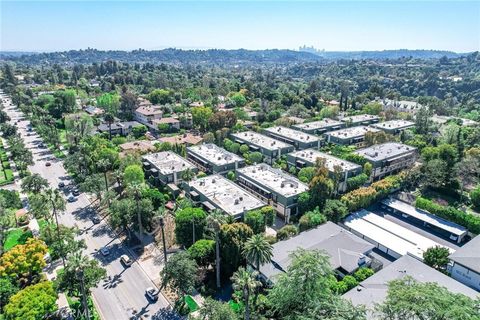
[{"x": 236, "y": 201}]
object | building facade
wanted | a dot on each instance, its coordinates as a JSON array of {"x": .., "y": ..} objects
[
  {"x": 270, "y": 148},
  {"x": 465, "y": 264},
  {"x": 307, "y": 158},
  {"x": 349, "y": 136},
  {"x": 277, "y": 188},
  {"x": 394, "y": 126},
  {"x": 389, "y": 158},
  {"x": 360, "y": 120},
  {"x": 166, "y": 168}
]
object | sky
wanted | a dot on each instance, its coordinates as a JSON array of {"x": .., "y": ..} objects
[{"x": 152, "y": 25}]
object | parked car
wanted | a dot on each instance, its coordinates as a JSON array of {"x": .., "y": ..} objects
[
  {"x": 127, "y": 262},
  {"x": 96, "y": 220},
  {"x": 71, "y": 198},
  {"x": 61, "y": 184},
  {"x": 75, "y": 192},
  {"x": 105, "y": 251},
  {"x": 48, "y": 164},
  {"x": 151, "y": 293}
]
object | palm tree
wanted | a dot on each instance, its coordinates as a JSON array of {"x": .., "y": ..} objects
[
  {"x": 258, "y": 251},
  {"x": 54, "y": 201},
  {"x": 77, "y": 263},
  {"x": 188, "y": 175},
  {"x": 246, "y": 282},
  {"x": 136, "y": 189},
  {"x": 214, "y": 221},
  {"x": 104, "y": 166},
  {"x": 109, "y": 119}
]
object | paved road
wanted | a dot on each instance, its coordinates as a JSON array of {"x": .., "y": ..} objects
[{"x": 122, "y": 295}]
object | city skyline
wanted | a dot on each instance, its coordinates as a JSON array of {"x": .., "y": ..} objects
[{"x": 333, "y": 26}]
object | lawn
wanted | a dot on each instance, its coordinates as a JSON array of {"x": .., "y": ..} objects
[
  {"x": 16, "y": 236},
  {"x": 192, "y": 305}
]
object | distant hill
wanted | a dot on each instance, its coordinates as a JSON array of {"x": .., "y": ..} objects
[
  {"x": 173, "y": 56},
  {"x": 382, "y": 55}
]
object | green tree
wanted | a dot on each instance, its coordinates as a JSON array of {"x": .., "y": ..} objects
[
  {"x": 255, "y": 157},
  {"x": 216, "y": 310},
  {"x": 246, "y": 283},
  {"x": 255, "y": 219},
  {"x": 109, "y": 102},
  {"x": 34, "y": 183},
  {"x": 258, "y": 251},
  {"x": 475, "y": 196},
  {"x": 409, "y": 299},
  {"x": 7, "y": 289},
  {"x": 437, "y": 258},
  {"x": 190, "y": 224},
  {"x": 203, "y": 251},
  {"x": 65, "y": 244},
  {"x": 201, "y": 117},
  {"x": 35, "y": 302},
  {"x": 133, "y": 174},
  {"x": 238, "y": 100},
  {"x": 160, "y": 96},
  {"x": 335, "y": 210},
  {"x": 321, "y": 186},
  {"x": 306, "y": 174},
  {"x": 180, "y": 273},
  {"x": 232, "y": 239}
]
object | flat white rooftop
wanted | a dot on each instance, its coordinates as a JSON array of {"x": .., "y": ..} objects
[
  {"x": 425, "y": 216},
  {"x": 168, "y": 162},
  {"x": 389, "y": 234},
  {"x": 261, "y": 140},
  {"x": 385, "y": 151},
  {"x": 274, "y": 179},
  {"x": 311, "y": 155},
  {"x": 226, "y": 195},
  {"x": 292, "y": 134},
  {"x": 359, "y": 118},
  {"x": 394, "y": 124},
  {"x": 353, "y": 132},
  {"x": 324, "y": 123},
  {"x": 214, "y": 154}
]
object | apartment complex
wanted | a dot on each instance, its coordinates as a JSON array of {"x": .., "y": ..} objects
[
  {"x": 273, "y": 186},
  {"x": 389, "y": 158},
  {"x": 271, "y": 148},
  {"x": 212, "y": 159},
  {"x": 349, "y": 136},
  {"x": 166, "y": 167},
  {"x": 319, "y": 127},
  {"x": 359, "y": 120},
  {"x": 394, "y": 126},
  {"x": 299, "y": 139},
  {"x": 147, "y": 114},
  {"x": 307, "y": 158},
  {"x": 216, "y": 192}
]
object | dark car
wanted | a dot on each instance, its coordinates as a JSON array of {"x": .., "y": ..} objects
[
  {"x": 48, "y": 164},
  {"x": 76, "y": 192},
  {"x": 96, "y": 220},
  {"x": 61, "y": 184}
]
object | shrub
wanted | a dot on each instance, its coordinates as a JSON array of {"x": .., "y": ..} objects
[
  {"x": 203, "y": 251},
  {"x": 475, "y": 196},
  {"x": 255, "y": 220},
  {"x": 469, "y": 221},
  {"x": 362, "y": 274},
  {"x": 286, "y": 232},
  {"x": 357, "y": 181},
  {"x": 311, "y": 219}
]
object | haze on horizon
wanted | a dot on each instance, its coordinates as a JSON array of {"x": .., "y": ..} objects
[{"x": 333, "y": 26}]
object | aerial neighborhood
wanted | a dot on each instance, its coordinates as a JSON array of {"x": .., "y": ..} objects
[{"x": 240, "y": 184}]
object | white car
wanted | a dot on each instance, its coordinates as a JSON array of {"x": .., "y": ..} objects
[
  {"x": 151, "y": 293},
  {"x": 127, "y": 262},
  {"x": 105, "y": 251}
]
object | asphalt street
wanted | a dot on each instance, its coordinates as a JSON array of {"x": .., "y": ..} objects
[{"x": 122, "y": 294}]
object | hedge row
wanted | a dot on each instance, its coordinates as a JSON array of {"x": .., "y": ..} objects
[
  {"x": 365, "y": 196},
  {"x": 469, "y": 221}
]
